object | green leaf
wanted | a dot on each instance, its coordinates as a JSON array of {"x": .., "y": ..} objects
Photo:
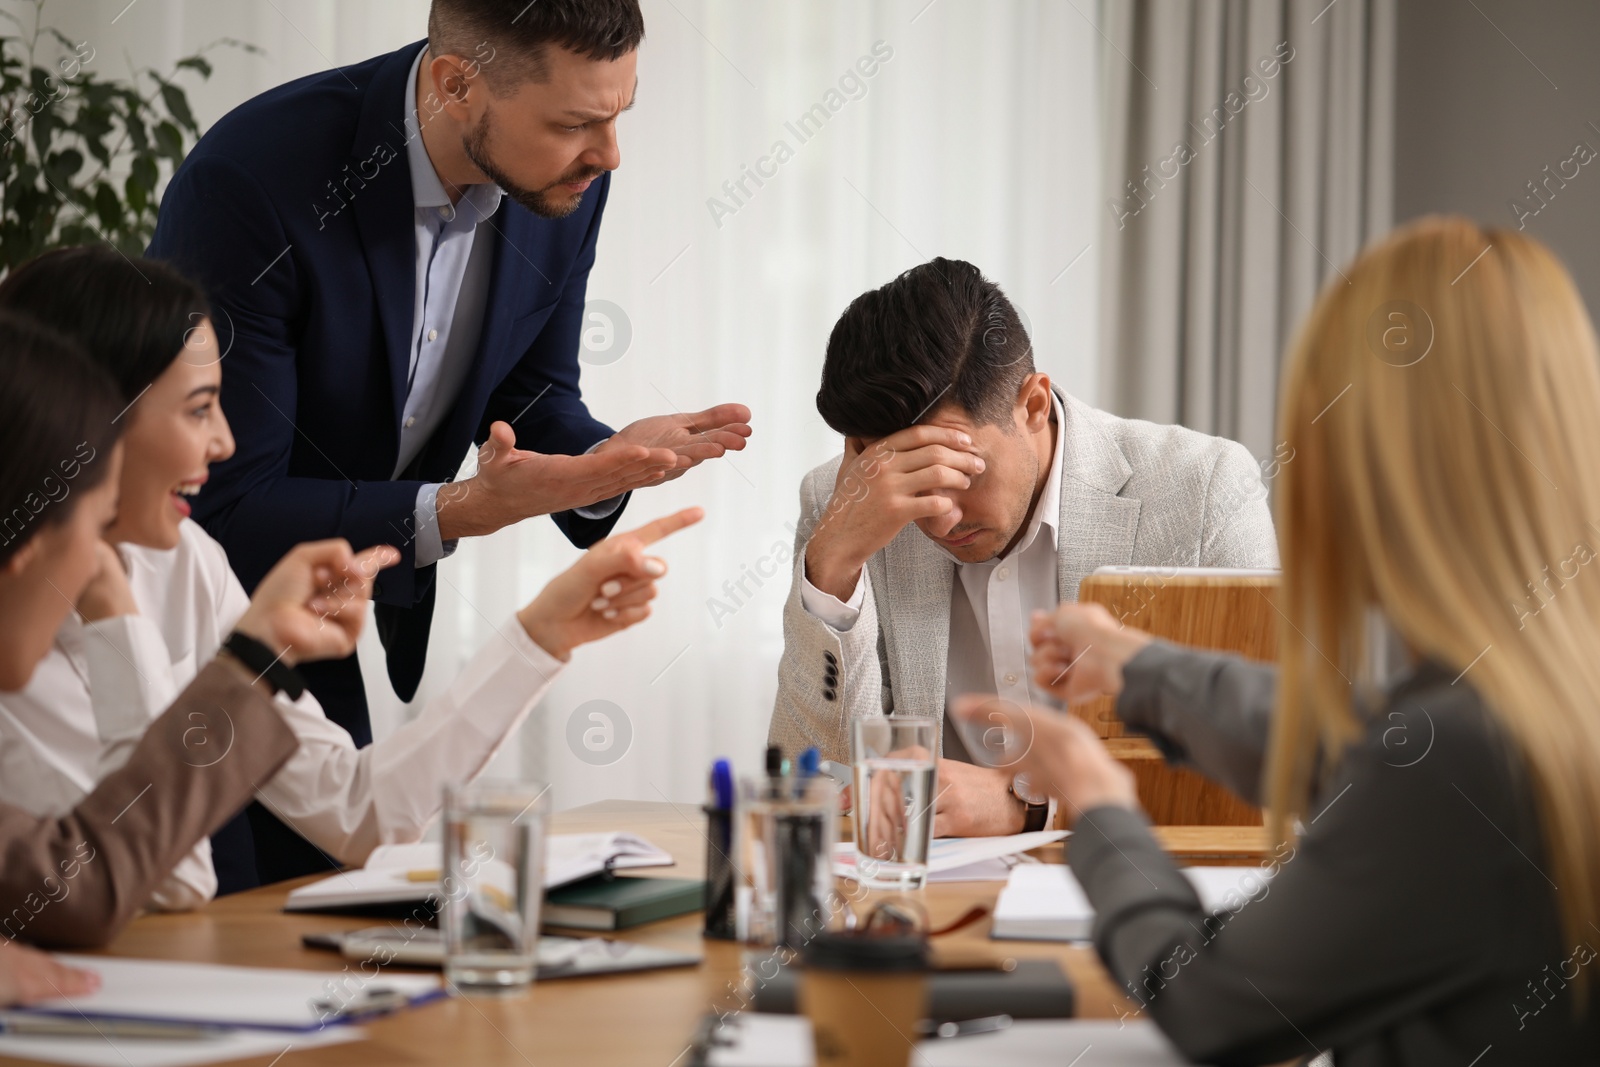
[
  {"x": 138, "y": 136},
  {"x": 169, "y": 142},
  {"x": 144, "y": 172},
  {"x": 107, "y": 206},
  {"x": 63, "y": 165},
  {"x": 137, "y": 196},
  {"x": 43, "y": 128},
  {"x": 96, "y": 93},
  {"x": 197, "y": 63},
  {"x": 178, "y": 107}
]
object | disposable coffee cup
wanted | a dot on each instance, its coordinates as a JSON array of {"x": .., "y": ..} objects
[{"x": 865, "y": 995}]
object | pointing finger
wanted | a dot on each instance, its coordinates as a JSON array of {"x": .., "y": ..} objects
[{"x": 651, "y": 532}]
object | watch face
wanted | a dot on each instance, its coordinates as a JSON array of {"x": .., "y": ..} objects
[{"x": 1024, "y": 791}]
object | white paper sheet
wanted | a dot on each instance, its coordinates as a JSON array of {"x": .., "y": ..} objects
[
  {"x": 785, "y": 1041},
  {"x": 268, "y": 998},
  {"x": 950, "y": 853},
  {"x": 1055, "y": 1043},
  {"x": 1044, "y": 902},
  {"x": 143, "y": 1052}
]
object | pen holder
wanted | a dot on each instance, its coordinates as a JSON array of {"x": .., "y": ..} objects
[
  {"x": 784, "y": 835},
  {"x": 720, "y": 911}
]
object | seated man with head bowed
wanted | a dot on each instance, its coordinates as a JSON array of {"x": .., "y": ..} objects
[{"x": 972, "y": 492}]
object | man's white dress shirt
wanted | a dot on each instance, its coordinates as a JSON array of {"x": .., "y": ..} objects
[{"x": 990, "y": 605}]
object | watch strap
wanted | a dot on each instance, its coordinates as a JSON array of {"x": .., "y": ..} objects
[{"x": 267, "y": 665}]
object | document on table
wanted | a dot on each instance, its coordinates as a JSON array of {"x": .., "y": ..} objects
[
  {"x": 295, "y": 1002},
  {"x": 109, "y": 1051},
  {"x": 1053, "y": 1043},
  {"x": 756, "y": 1040},
  {"x": 962, "y": 859},
  {"x": 1044, "y": 902}
]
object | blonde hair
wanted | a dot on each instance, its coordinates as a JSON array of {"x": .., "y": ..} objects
[{"x": 1443, "y": 407}]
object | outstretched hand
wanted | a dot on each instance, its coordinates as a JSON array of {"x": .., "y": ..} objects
[
  {"x": 708, "y": 434},
  {"x": 513, "y": 484},
  {"x": 607, "y": 590}
]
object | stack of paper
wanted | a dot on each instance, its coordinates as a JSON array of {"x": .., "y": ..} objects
[
  {"x": 215, "y": 1013},
  {"x": 1044, "y": 902},
  {"x": 962, "y": 859},
  {"x": 404, "y": 874}
]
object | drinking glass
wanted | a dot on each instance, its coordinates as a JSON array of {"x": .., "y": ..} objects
[
  {"x": 493, "y": 883},
  {"x": 895, "y": 789}
]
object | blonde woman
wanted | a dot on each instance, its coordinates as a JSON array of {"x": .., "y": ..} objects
[{"x": 1439, "y": 901}]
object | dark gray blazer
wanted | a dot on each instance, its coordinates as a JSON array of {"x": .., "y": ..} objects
[{"x": 1414, "y": 921}]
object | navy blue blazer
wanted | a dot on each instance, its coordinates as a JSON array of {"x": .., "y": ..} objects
[{"x": 295, "y": 212}]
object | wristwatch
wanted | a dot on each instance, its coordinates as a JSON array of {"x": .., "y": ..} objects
[
  {"x": 268, "y": 667},
  {"x": 1036, "y": 808}
]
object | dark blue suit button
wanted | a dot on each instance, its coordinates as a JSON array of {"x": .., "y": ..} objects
[{"x": 829, "y": 694}]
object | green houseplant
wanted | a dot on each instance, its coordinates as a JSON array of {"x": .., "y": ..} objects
[{"x": 81, "y": 155}]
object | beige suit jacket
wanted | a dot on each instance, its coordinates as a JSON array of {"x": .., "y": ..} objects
[
  {"x": 75, "y": 880},
  {"x": 1132, "y": 492}
]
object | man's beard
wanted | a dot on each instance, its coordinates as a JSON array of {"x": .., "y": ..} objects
[{"x": 538, "y": 201}]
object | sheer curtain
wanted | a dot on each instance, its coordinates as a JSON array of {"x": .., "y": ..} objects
[
  {"x": 1249, "y": 156},
  {"x": 781, "y": 159}
]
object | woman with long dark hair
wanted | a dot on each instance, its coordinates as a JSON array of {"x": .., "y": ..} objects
[
  {"x": 134, "y": 644},
  {"x": 75, "y": 875}
]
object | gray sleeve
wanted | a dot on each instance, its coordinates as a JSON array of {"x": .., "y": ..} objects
[
  {"x": 1207, "y": 710},
  {"x": 1360, "y": 931},
  {"x": 827, "y": 678}
]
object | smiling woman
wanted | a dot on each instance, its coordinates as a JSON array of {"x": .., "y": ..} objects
[
  {"x": 166, "y": 599},
  {"x": 169, "y": 371}
]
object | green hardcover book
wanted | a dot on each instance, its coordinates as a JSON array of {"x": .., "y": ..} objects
[{"x": 601, "y": 903}]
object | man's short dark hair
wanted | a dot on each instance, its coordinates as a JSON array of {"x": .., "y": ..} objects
[
  {"x": 939, "y": 333},
  {"x": 507, "y": 38}
]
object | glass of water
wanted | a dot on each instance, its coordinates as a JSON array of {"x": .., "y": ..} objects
[
  {"x": 895, "y": 789},
  {"x": 493, "y": 883},
  {"x": 784, "y": 832}
]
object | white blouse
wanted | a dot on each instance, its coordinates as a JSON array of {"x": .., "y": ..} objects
[{"x": 102, "y": 684}]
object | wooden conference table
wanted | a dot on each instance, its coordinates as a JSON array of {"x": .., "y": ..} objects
[{"x": 642, "y": 1019}]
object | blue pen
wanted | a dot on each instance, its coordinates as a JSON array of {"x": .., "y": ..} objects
[{"x": 722, "y": 784}]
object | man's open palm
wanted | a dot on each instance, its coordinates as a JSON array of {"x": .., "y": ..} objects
[{"x": 696, "y": 437}]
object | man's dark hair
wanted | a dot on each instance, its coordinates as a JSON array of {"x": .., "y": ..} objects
[
  {"x": 58, "y": 425},
  {"x": 939, "y": 333},
  {"x": 132, "y": 318},
  {"x": 507, "y": 38}
]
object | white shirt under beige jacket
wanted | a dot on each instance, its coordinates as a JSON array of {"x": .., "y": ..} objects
[{"x": 103, "y": 683}]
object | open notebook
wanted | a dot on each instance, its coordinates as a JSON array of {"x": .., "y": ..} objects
[{"x": 404, "y": 874}]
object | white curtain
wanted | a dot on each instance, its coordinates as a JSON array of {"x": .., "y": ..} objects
[{"x": 975, "y": 136}]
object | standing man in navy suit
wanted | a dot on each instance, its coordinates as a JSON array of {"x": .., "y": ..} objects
[{"x": 398, "y": 252}]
